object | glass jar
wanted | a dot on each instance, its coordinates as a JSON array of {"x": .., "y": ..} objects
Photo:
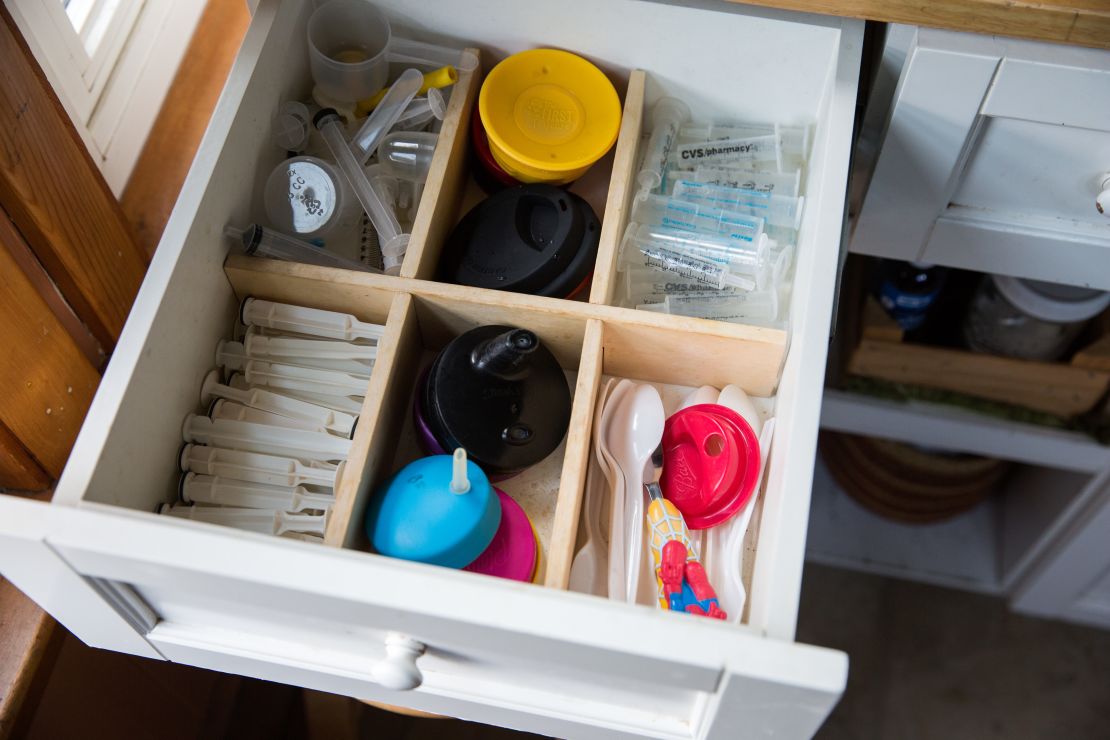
[{"x": 1028, "y": 319}]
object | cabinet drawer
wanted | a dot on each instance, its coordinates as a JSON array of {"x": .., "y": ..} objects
[
  {"x": 992, "y": 154},
  {"x": 340, "y": 619}
]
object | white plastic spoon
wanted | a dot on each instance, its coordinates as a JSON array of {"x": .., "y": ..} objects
[
  {"x": 636, "y": 430},
  {"x": 615, "y": 478},
  {"x": 586, "y": 572},
  {"x": 736, "y": 399},
  {"x": 734, "y": 543},
  {"x": 705, "y": 394}
]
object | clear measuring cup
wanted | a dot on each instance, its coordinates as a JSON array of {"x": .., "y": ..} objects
[
  {"x": 407, "y": 155},
  {"x": 350, "y": 46}
]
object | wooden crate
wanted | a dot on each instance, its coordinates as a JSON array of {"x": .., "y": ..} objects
[{"x": 1060, "y": 388}]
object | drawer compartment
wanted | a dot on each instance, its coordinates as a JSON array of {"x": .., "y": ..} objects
[{"x": 537, "y": 658}]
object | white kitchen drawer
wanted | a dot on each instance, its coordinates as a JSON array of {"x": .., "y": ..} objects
[
  {"x": 992, "y": 156},
  {"x": 537, "y": 658}
]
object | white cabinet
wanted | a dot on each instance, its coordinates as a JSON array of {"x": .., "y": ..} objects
[
  {"x": 991, "y": 156},
  {"x": 343, "y": 620}
]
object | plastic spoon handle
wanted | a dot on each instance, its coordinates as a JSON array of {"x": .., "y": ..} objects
[
  {"x": 274, "y": 403},
  {"x": 259, "y": 345},
  {"x": 381, "y": 120},
  {"x": 734, "y": 546},
  {"x": 243, "y": 435},
  {"x": 209, "y": 489},
  {"x": 314, "y": 321},
  {"x": 255, "y": 467},
  {"x": 254, "y": 520}
]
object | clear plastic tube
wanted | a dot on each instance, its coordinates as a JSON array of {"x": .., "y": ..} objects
[
  {"x": 259, "y": 241},
  {"x": 421, "y": 111},
  {"x": 745, "y": 258},
  {"x": 667, "y": 116},
  {"x": 407, "y": 51},
  {"x": 659, "y": 210},
  {"x": 256, "y": 467},
  {"x": 642, "y": 285},
  {"x": 761, "y": 304},
  {"x": 779, "y": 183},
  {"x": 268, "y": 440},
  {"x": 217, "y": 490},
  {"x": 391, "y": 107},
  {"x": 394, "y": 243},
  {"x": 776, "y": 210},
  {"x": 755, "y": 150},
  {"x": 645, "y": 253},
  {"x": 407, "y": 155}
]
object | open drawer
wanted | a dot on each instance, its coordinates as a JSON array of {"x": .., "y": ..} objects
[{"x": 337, "y": 618}]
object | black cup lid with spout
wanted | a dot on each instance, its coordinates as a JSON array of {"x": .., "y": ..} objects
[
  {"x": 535, "y": 239},
  {"x": 499, "y": 394}
]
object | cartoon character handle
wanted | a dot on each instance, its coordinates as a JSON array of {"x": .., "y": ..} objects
[{"x": 683, "y": 584}]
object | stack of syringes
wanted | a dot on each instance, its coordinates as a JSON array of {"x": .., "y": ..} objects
[
  {"x": 715, "y": 219},
  {"x": 269, "y": 454}
]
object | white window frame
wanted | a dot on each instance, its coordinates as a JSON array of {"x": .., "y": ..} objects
[{"x": 113, "y": 95}]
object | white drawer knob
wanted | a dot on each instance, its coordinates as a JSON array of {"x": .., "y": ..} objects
[
  {"x": 1102, "y": 200},
  {"x": 398, "y": 670}
]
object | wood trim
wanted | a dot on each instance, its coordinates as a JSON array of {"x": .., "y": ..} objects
[
  {"x": 58, "y": 199},
  {"x": 48, "y": 382},
  {"x": 1080, "y": 22}
]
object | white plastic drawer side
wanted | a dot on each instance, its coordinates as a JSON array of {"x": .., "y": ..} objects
[{"x": 45, "y": 577}]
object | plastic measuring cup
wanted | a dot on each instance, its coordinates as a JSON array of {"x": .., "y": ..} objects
[
  {"x": 250, "y": 437},
  {"x": 262, "y": 242},
  {"x": 666, "y": 117},
  {"x": 407, "y": 155},
  {"x": 303, "y": 320},
  {"x": 290, "y": 126},
  {"x": 393, "y": 242},
  {"x": 777, "y": 210},
  {"x": 391, "y": 107},
  {"x": 305, "y": 196},
  {"x": 274, "y": 403},
  {"x": 253, "y": 466},
  {"x": 220, "y": 491},
  {"x": 253, "y": 520},
  {"x": 350, "y": 46}
]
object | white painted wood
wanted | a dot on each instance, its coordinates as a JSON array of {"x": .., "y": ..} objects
[
  {"x": 319, "y": 617},
  {"x": 936, "y": 104},
  {"x": 507, "y": 653},
  {"x": 991, "y": 159},
  {"x": 962, "y": 552},
  {"x": 1022, "y": 246},
  {"x": 43, "y": 575},
  {"x": 959, "y": 430},
  {"x": 140, "y": 81},
  {"x": 1070, "y": 582}
]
